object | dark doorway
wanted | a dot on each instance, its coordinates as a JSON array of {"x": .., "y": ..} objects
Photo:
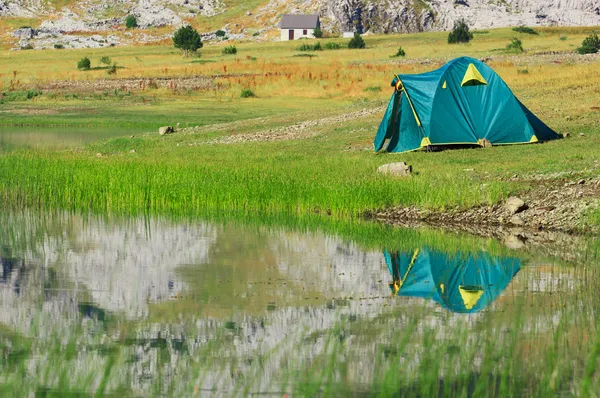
[{"x": 291, "y": 34}]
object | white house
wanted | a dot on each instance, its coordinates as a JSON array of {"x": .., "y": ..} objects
[{"x": 294, "y": 27}]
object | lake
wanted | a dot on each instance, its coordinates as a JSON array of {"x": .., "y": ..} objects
[
  {"x": 12, "y": 138},
  {"x": 152, "y": 306}
]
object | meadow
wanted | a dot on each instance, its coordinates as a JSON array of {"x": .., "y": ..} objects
[{"x": 328, "y": 170}]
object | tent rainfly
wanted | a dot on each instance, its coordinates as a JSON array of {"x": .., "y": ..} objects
[
  {"x": 460, "y": 283},
  {"x": 462, "y": 103}
]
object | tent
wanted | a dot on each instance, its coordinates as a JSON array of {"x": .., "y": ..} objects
[
  {"x": 458, "y": 282},
  {"x": 463, "y": 103}
]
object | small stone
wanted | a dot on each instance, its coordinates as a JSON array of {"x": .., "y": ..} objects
[
  {"x": 580, "y": 194},
  {"x": 397, "y": 169},
  {"x": 486, "y": 143},
  {"x": 99, "y": 155},
  {"x": 514, "y": 242},
  {"x": 516, "y": 220},
  {"x": 568, "y": 118},
  {"x": 248, "y": 13},
  {"x": 165, "y": 130},
  {"x": 515, "y": 205},
  {"x": 581, "y": 182},
  {"x": 566, "y": 135},
  {"x": 581, "y": 135},
  {"x": 132, "y": 136},
  {"x": 132, "y": 151}
]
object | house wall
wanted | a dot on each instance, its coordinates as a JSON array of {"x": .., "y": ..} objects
[{"x": 298, "y": 34}]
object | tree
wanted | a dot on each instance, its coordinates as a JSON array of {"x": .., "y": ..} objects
[
  {"x": 460, "y": 33},
  {"x": 84, "y": 64},
  {"x": 187, "y": 39},
  {"x": 131, "y": 22},
  {"x": 318, "y": 33},
  {"x": 356, "y": 41},
  {"x": 590, "y": 45}
]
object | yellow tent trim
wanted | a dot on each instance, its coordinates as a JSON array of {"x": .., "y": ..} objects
[
  {"x": 470, "y": 296},
  {"x": 472, "y": 77},
  {"x": 425, "y": 142},
  {"x": 444, "y": 85},
  {"x": 398, "y": 285},
  {"x": 533, "y": 139},
  {"x": 400, "y": 87},
  {"x": 442, "y": 288}
]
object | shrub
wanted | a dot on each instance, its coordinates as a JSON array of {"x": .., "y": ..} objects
[
  {"x": 112, "y": 70},
  {"x": 304, "y": 55},
  {"x": 131, "y": 22},
  {"x": 220, "y": 33},
  {"x": 84, "y": 64},
  {"x": 318, "y": 33},
  {"x": 356, "y": 42},
  {"x": 590, "y": 45},
  {"x": 256, "y": 34},
  {"x": 523, "y": 71},
  {"x": 58, "y": 46},
  {"x": 229, "y": 50},
  {"x": 525, "y": 29},
  {"x": 563, "y": 38},
  {"x": 460, "y": 33},
  {"x": 310, "y": 47},
  {"x": 373, "y": 89},
  {"x": 105, "y": 60},
  {"x": 187, "y": 39},
  {"x": 247, "y": 93},
  {"x": 400, "y": 53},
  {"x": 515, "y": 46},
  {"x": 27, "y": 47},
  {"x": 332, "y": 46}
]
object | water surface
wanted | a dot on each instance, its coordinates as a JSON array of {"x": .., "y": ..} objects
[{"x": 144, "y": 307}]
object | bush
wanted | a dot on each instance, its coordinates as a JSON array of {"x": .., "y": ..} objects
[
  {"x": 332, "y": 46},
  {"x": 105, "y": 60},
  {"x": 229, "y": 50},
  {"x": 187, "y": 39},
  {"x": 460, "y": 33},
  {"x": 310, "y": 47},
  {"x": 515, "y": 46},
  {"x": 400, "y": 53},
  {"x": 356, "y": 42},
  {"x": 131, "y": 22},
  {"x": 525, "y": 29},
  {"x": 112, "y": 70},
  {"x": 84, "y": 64},
  {"x": 256, "y": 34},
  {"x": 220, "y": 33},
  {"x": 318, "y": 33},
  {"x": 563, "y": 38},
  {"x": 523, "y": 71},
  {"x": 58, "y": 46},
  {"x": 27, "y": 47},
  {"x": 590, "y": 45},
  {"x": 247, "y": 93},
  {"x": 372, "y": 89}
]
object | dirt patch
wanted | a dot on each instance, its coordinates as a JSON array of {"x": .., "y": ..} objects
[
  {"x": 31, "y": 111},
  {"x": 102, "y": 85},
  {"x": 553, "y": 205},
  {"x": 305, "y": 129}
]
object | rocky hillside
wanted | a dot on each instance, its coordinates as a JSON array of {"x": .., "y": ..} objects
[{"x": 64, "y": 21}]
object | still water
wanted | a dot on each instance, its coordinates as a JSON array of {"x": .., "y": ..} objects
[
  {"x": 139, "y": 307},
  {"x": 12, "y": 138}
]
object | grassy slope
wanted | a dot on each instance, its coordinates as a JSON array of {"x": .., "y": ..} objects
[{"x": 333, "y": 172}]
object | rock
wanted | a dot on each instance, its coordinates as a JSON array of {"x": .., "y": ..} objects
[
  {"x": 165, "y": 130},
  {"x": 566, "y": 135},
  {"x": 132, "y": 151},
  {"x": 397, "y": 169},
  {"x": 485, "y": 143},
  {"x": 99, "y": 155},
  {"x": 514, "y": 242},
  {"x": 515, "y": 205},
  {"x": 581, "y": 135},
  {"x": 516, "y": 220},
  {"x": 581, "y": 182}
]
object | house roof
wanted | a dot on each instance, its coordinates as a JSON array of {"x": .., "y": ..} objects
[{"x": 289, "y": 21}]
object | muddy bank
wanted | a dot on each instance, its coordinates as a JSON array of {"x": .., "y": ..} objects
[{"x": 552, "y": 210}]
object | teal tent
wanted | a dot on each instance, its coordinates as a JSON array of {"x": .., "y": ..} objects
[
  {"x": 458, "y": 282},
  {"x": 463, "y": 103}
]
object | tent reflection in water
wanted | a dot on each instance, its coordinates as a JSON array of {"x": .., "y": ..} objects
[
  {"x": 463, "y": 283},
  {"x": 462, "y": 103}
]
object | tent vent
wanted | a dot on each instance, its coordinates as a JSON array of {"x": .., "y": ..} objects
[
  {"x": 473, "y": 77},
  {"x": 470, "y": 295}
]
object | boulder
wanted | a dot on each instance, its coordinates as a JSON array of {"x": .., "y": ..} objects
[
  {"x": 165, "y": 130},
  {"x": 515, "y": 205},
  {"x": 516, "y": 220},
  {"x": 396, "y": 169}
]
